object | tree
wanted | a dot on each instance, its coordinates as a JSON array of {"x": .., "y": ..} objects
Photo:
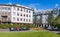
[
  {"x": 40, "y": 21},
  {"x": 50, "y": 19},
  {"x": 35, "y": 19},
  {"x": 57, "y": 21}
]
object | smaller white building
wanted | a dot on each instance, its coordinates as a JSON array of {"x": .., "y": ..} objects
[{"x": 45, "y": 15}]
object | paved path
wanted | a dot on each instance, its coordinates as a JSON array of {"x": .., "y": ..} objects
[
  {"x": 7, "y": 30},
  {"x": 4, "y": 29},
  {"x": 58, "y": 32}
]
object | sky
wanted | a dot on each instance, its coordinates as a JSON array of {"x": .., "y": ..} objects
[{"x": 39, "y": 4}]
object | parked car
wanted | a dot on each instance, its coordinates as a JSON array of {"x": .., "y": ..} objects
[
  {"x": 11, "y": 28},
  {"x": 18, "y": 29},
  {"x": 25, "y": 29}
]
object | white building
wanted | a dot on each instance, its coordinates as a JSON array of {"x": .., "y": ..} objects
[
  {"x": 45, "y": 15},
  {"x": 16, "y": 14}
]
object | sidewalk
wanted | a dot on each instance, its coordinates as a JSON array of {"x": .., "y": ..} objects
[{"x": 4, "y": 29}]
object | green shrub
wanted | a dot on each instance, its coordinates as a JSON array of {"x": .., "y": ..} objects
[
  {"x": 4, "y": 26},
  {"x": 32, "y": 26},
  {"x": 15, "y": 25}
]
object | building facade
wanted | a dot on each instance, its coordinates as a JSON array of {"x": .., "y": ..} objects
[
  {"x": 44, "y": 15},
  {"x": 16, "y": 14}
]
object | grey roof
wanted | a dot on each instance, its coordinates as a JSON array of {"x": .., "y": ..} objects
[{"x": 17, "y": 6}]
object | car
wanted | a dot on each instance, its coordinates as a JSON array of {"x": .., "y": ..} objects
[
  {"x": 18, "y": 29},
  {"x": 11, "y": 28},
  {"x": 25, "y": 29}
]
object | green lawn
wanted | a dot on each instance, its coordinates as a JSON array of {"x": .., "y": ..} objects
[{"x": 29, "y": 34}]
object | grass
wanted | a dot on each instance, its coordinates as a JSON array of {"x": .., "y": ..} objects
[{"x": 29, "y": 34}]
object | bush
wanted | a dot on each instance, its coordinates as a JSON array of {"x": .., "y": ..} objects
[
  {"x": 24, "y": 26},
  {"x": 32, "y": 26},
  {"x": 15, "y": 26},
  {"x": 4, "y": 26}
]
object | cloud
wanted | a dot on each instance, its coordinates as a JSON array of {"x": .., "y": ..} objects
[
  {"x": 57, "y": 4},
  {"x": 34, "y": 5}
]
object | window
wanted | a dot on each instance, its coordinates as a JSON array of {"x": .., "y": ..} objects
[
  {"x": 26, "y": 10},
  {"x": 9, "y": 19},
  {"x": 13, "y": 18},
  {"x": 21, "y": 9},
  {"x": 5, "y": 8},
  {"x": 17, "y": 14},
  {"x": 3, "y": 12},
  {"x": 21, "y": 15},
  {"x": 29, "y": 11},
  {"x": 20, "y": 19},
  {"x": 9, "y": 13},
  {"x": 29, "y": 15},
  {"x": 2, "y": 7},
  {"x": 9, "y": 8},
  {"x": 14, "y": 8},
  {"x": 24, "y": 19},
  {"x": 26, "y": 15},
  {"x": 17, "y": 9},
  {"x": 29, "y": 20},
  {"x": 13, "y": 13},
  {"x": 17, "y": 19}
]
